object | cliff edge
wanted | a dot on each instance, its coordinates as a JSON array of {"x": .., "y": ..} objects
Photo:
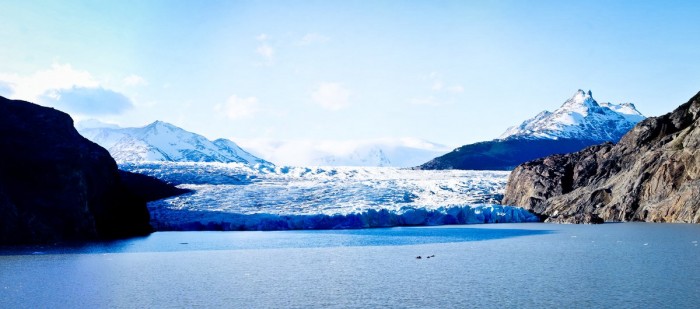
[{"x": 56, "y": 185}]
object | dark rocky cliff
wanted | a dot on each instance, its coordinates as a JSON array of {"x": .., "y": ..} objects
[
  {"x": 56, "y": 185},
  {"x": 652, "y": 174}
]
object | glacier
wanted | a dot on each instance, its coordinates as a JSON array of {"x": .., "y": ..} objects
[{"x": 236, "y": 196}]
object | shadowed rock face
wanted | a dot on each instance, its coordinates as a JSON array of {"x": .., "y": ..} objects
[
  {"x": 652, "y": 174},
  {"x": 56, "y": 185}
]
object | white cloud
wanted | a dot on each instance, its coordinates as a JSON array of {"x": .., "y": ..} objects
[
  {"x": 455, "y": 89},
  {"x": 311, "y": 38},
  {"x": 58, "y": 77},
  {"x": 265, "y": 50},
  {"x": 426, "y": 101},
  {"x": 237, "y": 108},
  {"x": 439, "y": 93},
  {"x": 135, "y": 80},
  {"x": 95, "y": 101},
  {"x": 331, "y": 96},
  {"x": 61, "y": 86}
]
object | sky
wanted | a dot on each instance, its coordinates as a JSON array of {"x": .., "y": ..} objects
[{"x": 448, "y": 72}]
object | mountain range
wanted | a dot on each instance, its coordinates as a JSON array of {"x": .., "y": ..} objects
[
  {"x": 580, "y": 122},
  {"x": 387, "y": 152},
  {"x": 161, "y": 141}
]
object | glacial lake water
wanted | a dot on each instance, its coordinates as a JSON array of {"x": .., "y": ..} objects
[{"x": 530, "y": 265}]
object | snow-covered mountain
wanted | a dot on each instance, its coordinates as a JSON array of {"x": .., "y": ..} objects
[
  {"x": 388, "y": 152},
  {"x": 161, "y": 141},
  {"x": 580, "y": 122},
  {"x": 580, "y": 117}
]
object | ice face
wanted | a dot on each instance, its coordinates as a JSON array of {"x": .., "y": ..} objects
[{"x": 241, "y": 197}]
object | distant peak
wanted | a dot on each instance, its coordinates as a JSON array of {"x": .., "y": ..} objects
[
  {"x": 94, "y": 124},
  {"x": 159, "y": 123},
  {"x": 630, "y": 105},
  {"x": 581, "y": 98},
  {"x": 580, "y": 117}
]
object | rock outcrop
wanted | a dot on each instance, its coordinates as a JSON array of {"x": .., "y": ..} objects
[
  {"x": 56, "y": 185},
  {"x": 652, "y": 174}
]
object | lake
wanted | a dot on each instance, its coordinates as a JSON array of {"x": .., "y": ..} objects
[{"x": 528, "y": 265}]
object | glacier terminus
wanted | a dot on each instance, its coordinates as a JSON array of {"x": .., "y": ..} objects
[{"x": 235, "y": 196}]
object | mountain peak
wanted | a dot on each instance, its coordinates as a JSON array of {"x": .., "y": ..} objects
[
  {"x": 581, "y": 99},
  {"x": 162, "y": 141},
  {"x": 580, "y": 117},
  {"x": 159, "y": 123}
]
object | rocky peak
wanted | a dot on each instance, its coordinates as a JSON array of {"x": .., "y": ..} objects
[
  {"x": 580, "y": 117},
  {"x": 580, "y": 100}
]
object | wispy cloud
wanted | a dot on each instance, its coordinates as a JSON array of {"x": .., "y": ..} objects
[
  {"x": 440, "y": 91},
  {"x": 427, "y": 101},
  {"x": 311, "y": 38},
  {"x": 135, "y": 80},
  {"x": 455, "y": 89},
  {"x": 237, "y": 108},
  {"x": 331, "y": 96},
  {"x": 438, "y": 85},
  {"x": 264, "y": 49}
]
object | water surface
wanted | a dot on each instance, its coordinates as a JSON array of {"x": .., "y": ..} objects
[{"x": 499, "y": 265}]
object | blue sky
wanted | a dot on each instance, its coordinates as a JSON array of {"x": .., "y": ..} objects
[{"x": 451, "y": 72}]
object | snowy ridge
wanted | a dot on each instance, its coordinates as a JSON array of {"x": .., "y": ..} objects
[
  {"x": 161, "y": 141},
  {"x": 580, "y": 117},
  {"x": 240, "y": 197}
]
